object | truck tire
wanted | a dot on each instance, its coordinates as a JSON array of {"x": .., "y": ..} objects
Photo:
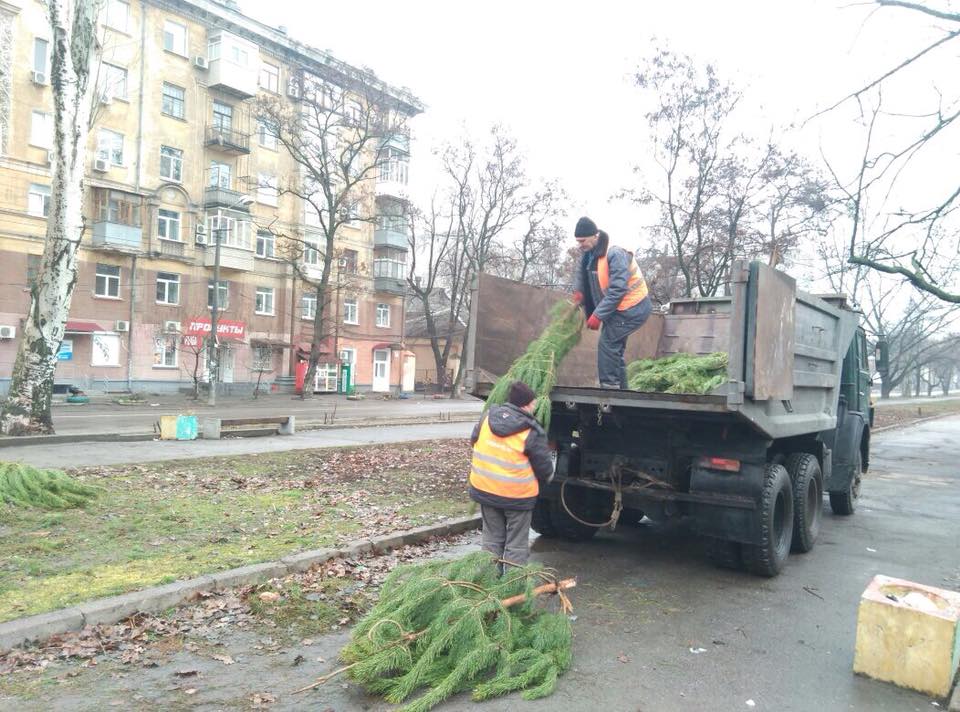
[
  {"x": 844, "y": 502},
  {"x": 804, "y": 471},
  {"x": 590, "y": 506},
  {"x": 724, "y": 554},
  {"x": 541, "y": 522},
  {"x": 767, "y": 556}
]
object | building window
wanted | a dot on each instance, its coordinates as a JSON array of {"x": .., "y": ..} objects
[
  {"x": 270, "y": 77},
  {"x": 229, "y": 231},
  {"x": 348, "y": 262},
  {"x": 383, "y": 315},
  {"x": 348, "y": 356},
  {"x": 390, "y": 262},
  {"x": 38, "y": 200},
  {"x": 165, "y": 352},
  {"x": 351, "y": 314},
  {"x": 268, "y": 192},
  {"x": 213, "y": 48},
  {"x": 394, "y": 166},
  {"x": 118, "y": 15},
  {"x": 264, "y": 301},
  {"x": 108, "y": 281},
  {"x": 267, "y": 134},
  {"x": 223, "y": 295},
  {"x": 262, "y": 358},
  {"x": 173, "y": 102},
  {"x": 222, "y": 115},
  {"x": 311, "y": 252},
  {"x": 171, "y": 163},
  {"x": 168, "y": 288},
  {"x": 220, "y": 175},
  {"x": 110, "y": 147},
  {"x": 308, "y": 306},
  {"x": 175, "y": 38},
  {"x": 41, "y": 129},
  {"x": 41, "y": 52},
  {"x": 119, "y": 208},
  {"x": 33, "y": 269},
  {"x": 266, "y": 243},
  {"x": 168, "y": 225},
  {"x": 239, "y": 56},
  {"x": 112, "y": 82}
]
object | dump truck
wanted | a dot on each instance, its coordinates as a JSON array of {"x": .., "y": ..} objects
[{"x": 748, "y": 463}]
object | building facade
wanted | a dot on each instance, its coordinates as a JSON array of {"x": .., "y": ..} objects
[{"x": 178, "y": 162}]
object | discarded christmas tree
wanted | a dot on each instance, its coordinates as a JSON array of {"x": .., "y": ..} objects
[
  {"x": 538, "y": 366},
  {"x": 27, "y": 486},
  {"x": 680, "y": 373},
  {"x": 449, "y": 626}
]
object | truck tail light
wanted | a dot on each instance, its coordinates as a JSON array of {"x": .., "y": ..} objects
[{"x": 719, "y": 463}]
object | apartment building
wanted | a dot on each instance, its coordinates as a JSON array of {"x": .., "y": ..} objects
[{"x": 177, "y": 161}]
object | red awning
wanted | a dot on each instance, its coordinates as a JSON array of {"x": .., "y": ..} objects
[{"x": 80, "y": 326}]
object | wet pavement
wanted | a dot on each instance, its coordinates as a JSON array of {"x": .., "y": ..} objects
[{"x": 657, "y": 627}]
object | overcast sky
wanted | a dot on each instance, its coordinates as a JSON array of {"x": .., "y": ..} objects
[{"x": 557, "y": 74}]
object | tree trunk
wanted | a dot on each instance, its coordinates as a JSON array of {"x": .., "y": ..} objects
[{"x": 27, "y": 409}]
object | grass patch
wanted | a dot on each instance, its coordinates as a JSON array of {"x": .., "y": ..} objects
[
  {"x": 160, "y": 522},
  {"x": 894, "y": 414}
]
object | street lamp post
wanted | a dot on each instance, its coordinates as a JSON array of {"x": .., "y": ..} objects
[{"x": 214, "y": 357}]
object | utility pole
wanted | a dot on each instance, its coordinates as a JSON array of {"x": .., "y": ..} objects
[{"x": 214, "y": 357}]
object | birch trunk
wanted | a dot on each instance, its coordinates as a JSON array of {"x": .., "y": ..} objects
[{"x": 27, "y": 409}]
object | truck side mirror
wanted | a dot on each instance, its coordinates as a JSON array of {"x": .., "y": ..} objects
[{"x": 882, "y": 354}]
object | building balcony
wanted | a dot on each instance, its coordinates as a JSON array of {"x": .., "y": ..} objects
[
  {"x": 388, "y": 188},
  {"x": 227, "y": 140},
  {"x": 233, "y": 65},
  {"x": 117, "y": 235},
  {"x": 383, "y": 237},
  {"x": 215, "y": 196},
  {"x": 236, "y": 258},
  {"x": 390, "y": 285}
]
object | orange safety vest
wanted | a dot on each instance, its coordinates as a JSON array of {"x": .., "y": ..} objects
[
  {"x": 636, "y": 284},
  {"x": 499, "y": 465}
]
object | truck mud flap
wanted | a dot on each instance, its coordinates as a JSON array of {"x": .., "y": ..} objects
[
  {"x": 848, "y": 441},
  {"x": 733, "y": 524}
]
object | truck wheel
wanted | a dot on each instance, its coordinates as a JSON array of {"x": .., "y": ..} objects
[
  {"x": 631, "y": 517},
  {"x": 541, "y": 522},
  {"x": 588, "y": 505},
  {"x": 804, "y": 470},
  {"x": 766, "y": 558},
  {"x": 844, "y": 502},
  {"x": 724, "y": 553}
]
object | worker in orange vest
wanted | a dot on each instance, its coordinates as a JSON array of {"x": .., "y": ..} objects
[
  {"x": 611, "y": 288},
  {"x": 510, "y": 460}
]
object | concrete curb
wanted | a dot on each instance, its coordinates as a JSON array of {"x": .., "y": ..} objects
[
  {"x": 954, "y": 704},
  {"x": 159, "y": 598},
  {"x": 29, "y": 440},
  {"x": 900, "y": 426}
]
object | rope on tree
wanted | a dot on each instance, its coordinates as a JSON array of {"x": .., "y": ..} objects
[{"x": 448, "y": 626}]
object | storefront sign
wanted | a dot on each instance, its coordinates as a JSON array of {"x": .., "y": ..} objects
[
  {"x": 227, "y": 330},
  {"x": 66, "y": 350},
  {"x": 106, "y": 350}
]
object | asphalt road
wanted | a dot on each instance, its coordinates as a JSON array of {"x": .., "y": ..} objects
[{"x": 656, "y": 628}]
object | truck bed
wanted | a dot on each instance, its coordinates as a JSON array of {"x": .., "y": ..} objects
[{"x": 785, "y": 350}]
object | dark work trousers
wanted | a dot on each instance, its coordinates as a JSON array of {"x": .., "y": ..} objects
[
  {"x": 613, "y": 342},
  {"x": 506, "y": 533}
]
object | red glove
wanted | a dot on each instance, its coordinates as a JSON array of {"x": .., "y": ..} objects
[
  {"x": 577, "y": 298},
  {"x": 593, "y": 323}
]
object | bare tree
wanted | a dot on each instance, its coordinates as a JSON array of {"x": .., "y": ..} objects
[
  {"x": 536, "y": 255},
  {"x": 27, "y": 409},
  {"x": 916, "y": 242},
  {"x": 338, "y": 138}
]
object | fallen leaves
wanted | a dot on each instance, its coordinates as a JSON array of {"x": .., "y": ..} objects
[{"x": 269, "y": 596}]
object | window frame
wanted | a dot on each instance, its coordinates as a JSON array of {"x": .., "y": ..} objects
[
  {"x": 353, "y": 304},
  {"x": 108, "y": 87},
  {"x": 109, "y": 278},
  {"x": 275, "y": 89},
  {"x": 169, "y": 345},
  {"x": 175, "y": 161},
  {"x": 185, "y": 38},
  {"x": 44, "y": 70},
  {"x": 113, "y": 4},
  {"x": 41, "y": 141},
  {"x": 222, "y": 119},
  {"x": 221, "y": 169},
  {"x": 351, "y": 359},
  {"x": 308, "y": 306},
  {"x": 269, "y": 298},
  {"x": 169, "y": 221},
  {"x": 110, "y": 154},
  {"x": 267, "y": 238},
  {"x": 378, "y": 312},
  {"x": 176, "y": 101},
  {"x": 268, "y": 190},
  {"x": 224, "y": 291},
  {"x": 170, "y": 282},
  {"x": 44, "y": 195},
  {"x": 266, "y": 131}
]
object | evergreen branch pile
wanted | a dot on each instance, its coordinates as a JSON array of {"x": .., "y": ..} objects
[
  {"x": 538, "y": 366},
  {"x": 680, "y": 373},
  {"x": 26, "y": 486},
  {"x": 449, "y": 626}
]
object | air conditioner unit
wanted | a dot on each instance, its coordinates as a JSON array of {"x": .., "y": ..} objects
[
  {"x": 39, "y": 78},
  {"x": 122, "y": 325},
  {"x": 200, "y": 62},
  {"x": 49, "y": 156},
  {"x": 8, "y": 332},
  {"x": 101, "y": 165},
  {"x": 171, "y": 327},
  {"x": 201, "y": 235},
  {"x": 293, "y": 89}
]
